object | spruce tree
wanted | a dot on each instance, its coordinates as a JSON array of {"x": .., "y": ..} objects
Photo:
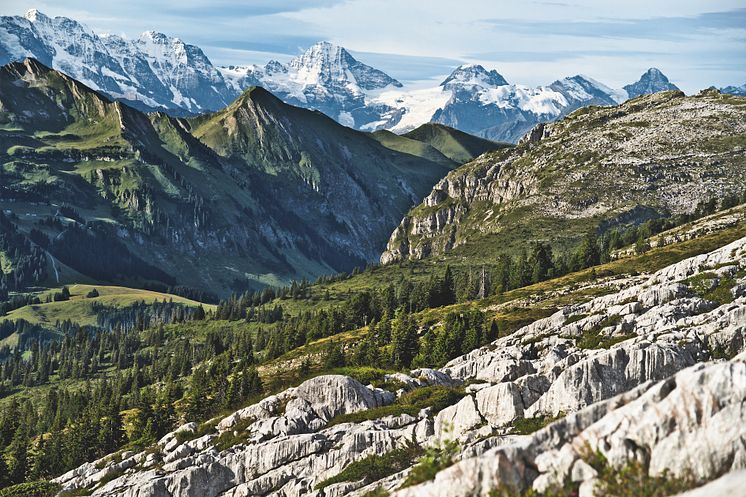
[{"x": 404, "y": 341}]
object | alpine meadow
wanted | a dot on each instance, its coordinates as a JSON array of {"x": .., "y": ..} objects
[{"x": 239, "y": 261}]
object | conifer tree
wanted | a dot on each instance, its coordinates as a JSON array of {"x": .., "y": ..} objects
[{"x": 404, "y": 342}]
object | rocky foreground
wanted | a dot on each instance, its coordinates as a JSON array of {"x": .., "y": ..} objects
[{"x": 654, "y": 374}]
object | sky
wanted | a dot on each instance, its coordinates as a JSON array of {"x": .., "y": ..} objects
[{"x": 697, "y": 44}]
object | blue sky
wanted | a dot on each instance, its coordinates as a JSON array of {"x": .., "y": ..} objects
[{"x": 696, "y": 43}]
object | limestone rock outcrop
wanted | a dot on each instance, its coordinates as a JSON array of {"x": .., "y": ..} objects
[{"x": 654, "y": 373}]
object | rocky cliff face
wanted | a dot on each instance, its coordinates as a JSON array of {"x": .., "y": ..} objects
[
  {"x": 612, "y": 165},
  {"x": 652, "y": 373}
]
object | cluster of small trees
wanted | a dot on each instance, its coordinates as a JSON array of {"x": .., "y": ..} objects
[
  {"x": 400, "y": 344},
  {"x": 141, "y": 315},
  {"x": 25, "y": 263}
]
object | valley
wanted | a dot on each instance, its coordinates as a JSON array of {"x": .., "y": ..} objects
[{"x": 306, "y": 278}]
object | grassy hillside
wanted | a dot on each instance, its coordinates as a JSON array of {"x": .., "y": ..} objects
[
  {"x": 411, "y": 146},
  {"x": 80, "y": 308},
  {"x": 258, "y": 194},
  {"x": 512, "y": 309},
  {"x": 161, "y": 376},
  {"x": 456, "y": 145}
]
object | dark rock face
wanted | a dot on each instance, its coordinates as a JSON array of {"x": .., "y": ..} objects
[{"x": 652, "y": 81}]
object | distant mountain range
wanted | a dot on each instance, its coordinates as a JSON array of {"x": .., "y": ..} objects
[{"x": 158, "y": 72}]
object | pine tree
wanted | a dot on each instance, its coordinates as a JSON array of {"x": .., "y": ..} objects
[
  {"x": 4, "y": 475},
  {"x": 404, "y": 341},
  {"x": 16, "y": 455},
  {"x": 197, "y": 401},
  {"x": 448, "y": 291}
]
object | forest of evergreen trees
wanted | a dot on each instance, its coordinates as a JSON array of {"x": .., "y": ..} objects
[{"x": 148, "y": 389}]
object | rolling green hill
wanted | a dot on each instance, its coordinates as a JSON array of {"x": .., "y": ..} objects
[
  {"x": 458, "y": 146},
  {"x": 81, "y": 309}
]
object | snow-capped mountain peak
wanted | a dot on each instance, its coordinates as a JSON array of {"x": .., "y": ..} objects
[
  {"x": 157, "y": 71},
  {"x": 154, "y": 71},
  {"x": 581, "y": 90},
  {"x": 327, "y": 64},
  {"x": 34, "y": 15},
  {"x": 325, "y": 77},
  {"x": 469, "y": 76},
  {"x": 275, "y": 67}
]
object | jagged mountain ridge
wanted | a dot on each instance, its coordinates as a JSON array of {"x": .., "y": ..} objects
[
  {"x": 326, "y": 78},
  {"x": 735, "y": 90},
  {"x": 157, "y": 72},
  {"x": 152, "y": 72},
  {"x": 259, "y": 193},
  {"x": 596, "y": 168}
]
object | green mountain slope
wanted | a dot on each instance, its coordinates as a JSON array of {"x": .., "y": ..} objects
[
  {"x": 456, "y": 145},
  {"x": 259, "y": 193},
  {"x": 601, "y": 167},
  {"x": 413, "y": 147}
]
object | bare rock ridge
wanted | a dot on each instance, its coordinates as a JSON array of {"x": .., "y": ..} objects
[
  {"x": 599, "y": 165},
  {"x": 654, "y": 372}
]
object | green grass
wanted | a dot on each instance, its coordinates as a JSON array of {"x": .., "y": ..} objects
[
  {"x": 547, "y": 296},
  {"x": 79, "y": 309},
  {"x": 574, "y": 319},
  {"x": 375, "y": 467},
  {"x": 594, "y": 339},
  {"x": 711, "y": 287},
  {"x": 526, "y": 426},
  {"x": 435, "y": 460},
  {"x": 633, "y": 479},
  {"x": 435, "y": 397},
  {"x": 237, "y": 434},
  {"x": 456, "y": 145}
]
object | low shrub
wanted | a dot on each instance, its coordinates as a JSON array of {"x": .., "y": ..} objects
[
  {"x": 32, "y": 489},
  {"x": 435, "y": 459},
  {"x": 435, "y": 397},
  {"x": 526, "y": 426},
  {"x": 376, "y": 467}
]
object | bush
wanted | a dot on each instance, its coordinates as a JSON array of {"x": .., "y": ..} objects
[
  {"x": 526, "y": 426},
  {"x": 92, "y": 294},
  {"x": 710, "y": 287},
  {"x": 435, "y": 397},
  {"x": 634, "y": 480},
  {"x": 375, "y": 467},
  {"x": 32, "y": 489},
  {"x": 237, "y": 434},
  {"x": 435, "y": 459},
  {"x": 203, "y": 429},
  {"x": 593, "y": 339},
  {"x": 631, "y": 480}
]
